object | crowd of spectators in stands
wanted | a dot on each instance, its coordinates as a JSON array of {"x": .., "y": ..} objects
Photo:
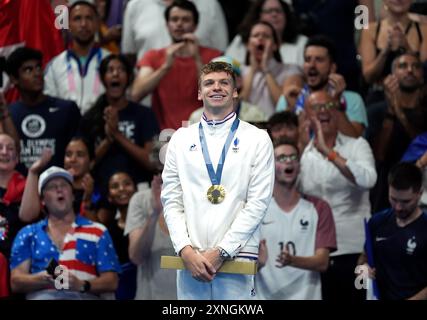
[{"x": 79, "y": 172}]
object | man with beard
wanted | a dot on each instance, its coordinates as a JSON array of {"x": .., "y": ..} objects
[
  {"x": 73, "y": 74},
  {"x": 320, "y": 74},
  {"x": 398, "y": 238},
  {"x": 171, "y": 73},
  {"x": 399, "y": 119},
  {"x": 298, "y": 233}
]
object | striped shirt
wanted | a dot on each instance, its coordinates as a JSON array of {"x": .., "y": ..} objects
[{"x": 88, "y": 249}]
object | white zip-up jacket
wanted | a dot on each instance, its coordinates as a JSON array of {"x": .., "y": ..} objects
[
  {"x": 248, "y": 178},
  {"x": 66, "y": 78}
]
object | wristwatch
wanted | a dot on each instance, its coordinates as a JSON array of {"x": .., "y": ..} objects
[
  {"x": 223, "y": 254},
  {"x": 85, "y": 287}
]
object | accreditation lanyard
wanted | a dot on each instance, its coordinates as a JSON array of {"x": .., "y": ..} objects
[
  {"x": 216, "y": 176},
  {"x": 83, "y": 71}
]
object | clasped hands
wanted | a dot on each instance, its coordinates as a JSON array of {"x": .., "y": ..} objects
[{"x": 203, "y": 265}]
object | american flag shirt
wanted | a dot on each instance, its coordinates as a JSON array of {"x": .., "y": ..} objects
[{"x": 88, "y": 249}]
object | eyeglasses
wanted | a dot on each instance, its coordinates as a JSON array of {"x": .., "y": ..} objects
[
  {"x": 56, "y": 186},
  {"x": 272, "y": 10},
  {"x": 282, "y": 158},
  {"x": 326, "y": 106}
]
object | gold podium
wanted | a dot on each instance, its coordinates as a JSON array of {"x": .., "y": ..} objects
[{"x": 238, "y": 267}]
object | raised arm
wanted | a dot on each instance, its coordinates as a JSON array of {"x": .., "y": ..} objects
[
  {"x": 140, "y": 154},
  {"x": 372, "y": 63},
  {"x": 360, "y": 171},
  {"x": 30, "y": 204},
  {"x": 148, "y": 78}
]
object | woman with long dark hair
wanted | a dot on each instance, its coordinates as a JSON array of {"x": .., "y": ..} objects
[
  {"x": 264, "y": 74},
  {"x": 280, "y": 15}
]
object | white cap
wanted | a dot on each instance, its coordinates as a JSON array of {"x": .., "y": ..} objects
[{"x": 53, "y": 172}]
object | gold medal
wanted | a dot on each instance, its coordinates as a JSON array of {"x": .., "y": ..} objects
[{"x": 216, "y": 194}]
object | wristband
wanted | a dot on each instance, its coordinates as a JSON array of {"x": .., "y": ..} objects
[{"x": 332, "y": 155}]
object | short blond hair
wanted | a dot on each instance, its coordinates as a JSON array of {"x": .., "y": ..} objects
[{"x": 217, "y": 66}]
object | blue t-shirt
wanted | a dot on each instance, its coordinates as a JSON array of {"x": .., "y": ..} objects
[
  {"x": 51, "y": 123},
  {"x": 416, "y": 149},
  {"x": 400, "y": 255}
]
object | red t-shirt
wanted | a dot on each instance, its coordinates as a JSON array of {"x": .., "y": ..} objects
[
  {"x": 325, "y": 233},
  {"x": 175, "y": 97}
]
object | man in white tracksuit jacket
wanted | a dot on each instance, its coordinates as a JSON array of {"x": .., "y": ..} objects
[{"x": 211, "y": 216}]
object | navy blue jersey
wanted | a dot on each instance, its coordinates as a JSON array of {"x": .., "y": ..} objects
[
  {"x": 139, "y": 125},
  {"x": 51, "y": 123},
  {"x": 400, "y": 255}
]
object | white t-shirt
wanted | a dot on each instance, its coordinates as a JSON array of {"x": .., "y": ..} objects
[
  {"x": 153, "y": 283},
  {"x": 63, "y": 79},
  {"x": 308, "y": 226},
  {"x": 144, "y": 26},
  {"x": 291, "y": 53}
]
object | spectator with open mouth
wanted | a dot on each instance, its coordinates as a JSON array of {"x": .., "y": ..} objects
[
  {"x": 280, "y": 15},
  {"x": 341, "y": 170},
  {"x": 264, "y": 74},
  {"x": 120, "y": 130},
  {"x": 82, "y": 248},
  {"x": 298, "y": 233}
]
